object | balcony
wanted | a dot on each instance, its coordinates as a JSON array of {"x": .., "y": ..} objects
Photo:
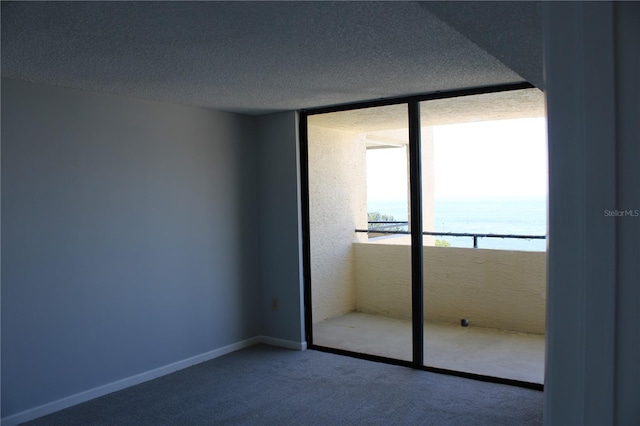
[{"x": 502, "y": 294}]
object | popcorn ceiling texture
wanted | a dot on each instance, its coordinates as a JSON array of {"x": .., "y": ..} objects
[
  {"x": 250, "y": 57},
  {"x": 510, "y": 30}
]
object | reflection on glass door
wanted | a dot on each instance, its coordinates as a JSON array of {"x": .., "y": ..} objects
[{"x": 359, "y": 223}]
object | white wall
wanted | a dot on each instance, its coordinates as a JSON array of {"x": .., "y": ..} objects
[
  {"x": 279, "y": 261},
  {"x": 128, "y": 239},
  {"x": 141, "y": 237},
  {"x": 592, "y": 64}
]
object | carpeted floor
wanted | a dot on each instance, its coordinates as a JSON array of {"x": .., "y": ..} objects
[{"x": 266, "y": 385}]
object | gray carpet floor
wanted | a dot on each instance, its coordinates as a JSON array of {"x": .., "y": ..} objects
[{"x": 264, "y": 385}]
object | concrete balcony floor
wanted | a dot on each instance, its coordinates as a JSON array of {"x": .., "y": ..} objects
[{"x": 485, "y": 351}]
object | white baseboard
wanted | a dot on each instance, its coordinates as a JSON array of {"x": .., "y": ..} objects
[
  {"x": 52, "y": 407},
  {"x": 289, "y": 344},
  {"x": 61, "y": 404}
]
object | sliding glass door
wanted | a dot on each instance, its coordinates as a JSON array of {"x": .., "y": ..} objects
[
  {"x": 484, "y": 179},
  {"x": 359, "y": 222},
  {"x": 425, "y": 228}
]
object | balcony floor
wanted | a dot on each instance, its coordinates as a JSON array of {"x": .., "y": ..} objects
[{"x": 485, "y": 351}]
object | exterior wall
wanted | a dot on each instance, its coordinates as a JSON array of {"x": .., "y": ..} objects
[
  {"x": 491, "y": 288},
  {"x": 337, "y": 206}
]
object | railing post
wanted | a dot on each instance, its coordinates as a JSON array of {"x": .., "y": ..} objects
[{"x": 475, "y": 241}]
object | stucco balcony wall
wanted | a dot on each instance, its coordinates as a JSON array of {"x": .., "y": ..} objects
[
  {"x": 337, "y": 206},
  {"x": 491, "y": 288}
]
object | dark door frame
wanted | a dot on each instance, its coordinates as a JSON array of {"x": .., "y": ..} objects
[{"x": 417, "y": 285}]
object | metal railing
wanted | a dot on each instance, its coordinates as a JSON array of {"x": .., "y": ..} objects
[{"x": 384, "y": 226}]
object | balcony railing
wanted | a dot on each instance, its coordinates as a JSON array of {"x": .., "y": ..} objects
[{"x": 383, "y": 228}]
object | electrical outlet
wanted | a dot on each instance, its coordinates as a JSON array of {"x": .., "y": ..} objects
[{"x": 275, "y": 304}]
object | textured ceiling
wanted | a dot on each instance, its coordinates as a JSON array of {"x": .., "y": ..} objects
[
  {"x": 251, "y": 57},
  {"x": 510, "y": 30}
]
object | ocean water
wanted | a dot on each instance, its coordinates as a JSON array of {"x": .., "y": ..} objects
[{"x": 520, "y": 216}]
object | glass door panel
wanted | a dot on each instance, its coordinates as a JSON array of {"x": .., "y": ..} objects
[
  {"x": 484, "y": 210},
  {"x": 359, "y": 224}
]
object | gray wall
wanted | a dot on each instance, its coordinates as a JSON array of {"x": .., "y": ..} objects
[
  {"x": 592, "y": 64},
  {"x": 128, "y": 243},
  {"x": 279, "y": 226}
]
